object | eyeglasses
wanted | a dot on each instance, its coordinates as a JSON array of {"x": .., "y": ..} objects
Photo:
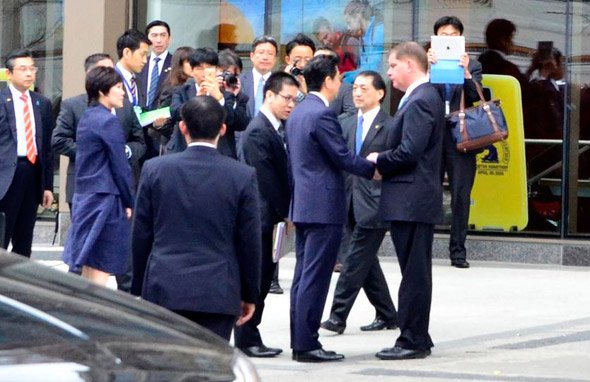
[
  {"x": 32, "y": 69},
  {"x": 288, "y": 99}
]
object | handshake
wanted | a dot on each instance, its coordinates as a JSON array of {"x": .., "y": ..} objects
[{"x": 372, "y": 157}]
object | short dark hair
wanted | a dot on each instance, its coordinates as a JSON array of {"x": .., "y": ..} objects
[
  {"x": 263, "y": 40},
  {"x": 327, "y": 48},
  {"x": 412, "y": 50},
  {"x": 448, "y": 20},
  {"x": 376, "y": 80},
  {"x": 317, "y": 69},
  {"x": 91, "y": 61},
  {"x": 131, "y": 39},
  {"x": 18, "y": 53},
  {"x": 203, "y": 56},
  {"x": 100, "y": 79},
  {"x": 300, "y": 40},
  {"x": 203, "y": 116},
  {"x": 497, "y": 31},
  {"x": 228, "y": 57},
  {"x": 157, "y": 23},
  {"x": 277, "y": 80}
]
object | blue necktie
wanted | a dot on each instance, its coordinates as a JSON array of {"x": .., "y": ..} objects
[
  {"x": 359, "y": 136},
  {"x": 401, "y": 102},
  {"x": 153, "y": 83},
  {"x": 259, "y": 91}
]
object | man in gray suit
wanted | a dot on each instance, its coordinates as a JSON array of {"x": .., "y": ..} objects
[
  {"x": 364, "y": 133},
  {"x": 64, "y": 136}
]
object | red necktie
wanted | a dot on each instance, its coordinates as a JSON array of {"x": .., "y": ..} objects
[{"x": 30, "y": 138}]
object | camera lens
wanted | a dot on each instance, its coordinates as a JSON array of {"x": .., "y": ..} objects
[
  {"x": 230, "y": 79},
  {"x": 296, "y": 71}
]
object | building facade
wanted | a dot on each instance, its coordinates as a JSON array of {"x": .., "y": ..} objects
[{"x": 556, "y": 131}]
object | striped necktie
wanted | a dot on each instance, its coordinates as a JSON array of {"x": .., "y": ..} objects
[
  {"x": 155, "y": 78},
  {"x": 29, "y": 136}
]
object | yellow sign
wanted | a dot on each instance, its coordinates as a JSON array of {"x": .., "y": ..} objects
[
  {"x": 3, "y": 75},
  {"x": 499, "y": 195}
]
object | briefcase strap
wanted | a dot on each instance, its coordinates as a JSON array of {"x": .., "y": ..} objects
[{"x": 484, "y": 105}]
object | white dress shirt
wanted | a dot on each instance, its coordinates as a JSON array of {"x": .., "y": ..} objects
[
  {"x": 19, "y": 113},
  {"x": 152, "y": 64},
  {"x": 368, "y": 119}
]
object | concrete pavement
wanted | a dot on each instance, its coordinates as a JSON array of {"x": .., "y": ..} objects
[{"x": 492, "y": 322}]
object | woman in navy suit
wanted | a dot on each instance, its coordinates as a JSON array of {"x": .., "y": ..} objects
[{"x": 98, "y": 241}]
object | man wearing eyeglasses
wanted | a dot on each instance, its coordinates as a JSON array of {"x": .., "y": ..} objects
[
  {"x": 26, "y": 167},
  {"x": 264, "y": 57},
  {"x": 264, "y": 148}
]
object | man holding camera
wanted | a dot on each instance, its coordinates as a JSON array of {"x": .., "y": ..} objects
[
  {"x": 204, "y": 62},
  {"x": 299, "y": 51}
]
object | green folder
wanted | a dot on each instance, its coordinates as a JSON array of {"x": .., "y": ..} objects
[{"x": 148, "y": 117}]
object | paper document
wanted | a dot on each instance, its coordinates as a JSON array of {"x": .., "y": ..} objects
[
  {"x": 149, "y": 117},
  {"x": 278, "y": 248}
]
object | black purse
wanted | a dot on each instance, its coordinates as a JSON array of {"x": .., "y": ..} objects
[{"x": 480, "y": 126}]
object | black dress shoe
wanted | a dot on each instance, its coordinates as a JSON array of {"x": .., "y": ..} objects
[
  {"x": 333, "y": 326},
  {"x": 275, "y": 288},
  {"x": 318, "y": 355},
  {"x": 261, "y": 351},
  {"x": 460, "y": 263},
  {"x": 397, "y": 353},
  {"x": 379, "y": 324}
]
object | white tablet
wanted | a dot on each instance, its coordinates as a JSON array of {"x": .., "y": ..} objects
[{"x": 448, "y": 47}]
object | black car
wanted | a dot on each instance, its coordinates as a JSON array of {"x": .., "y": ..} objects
[{"x": 59, "y": 327}]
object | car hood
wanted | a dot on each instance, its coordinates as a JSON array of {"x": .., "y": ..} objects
[{"x": 58, "y": 319}]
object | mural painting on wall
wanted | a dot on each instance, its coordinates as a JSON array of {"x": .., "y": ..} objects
[{"x": 354, "y": 29}]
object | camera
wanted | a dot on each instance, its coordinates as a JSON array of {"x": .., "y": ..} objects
[
  {"x": 230, "y": 78},
  {"x": 295, "y": 71}
]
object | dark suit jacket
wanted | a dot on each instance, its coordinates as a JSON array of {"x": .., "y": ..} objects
[
  {"x": 343, "y": 105},
  {"x": 471, "y": 95},
  {"x": 411, "y": 189},
  {"x": 264, "y": 150},
  {"x": 143, "y": 80},
  {"x": 493, "y": 63},
  {"x": 363, "y": 194},
  {"x": 247, "y": 82},
  {"x": 64, "y": 135},
  {"x": 236, "y": 119},
  {"x": 102, "y": 165},
  {"x": 44, "y": 125},
  {"x": 318, "y": 155},
  {"x": 196, "y": 232}
]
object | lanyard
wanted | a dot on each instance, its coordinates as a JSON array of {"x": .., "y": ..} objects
[{"x": 128, "y": 87}]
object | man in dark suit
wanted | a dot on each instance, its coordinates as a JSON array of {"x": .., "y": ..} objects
[
  {"x": 151, "y": 78},
  {"x": 460, "y": 167},
  {"x": 71, "y": 111},
  {"x": 196, "y": 231},
  {"x": 318, "y": 155},
  {"x": 156, "y": 71},
  {"x": 499, "y": 35},
  {"x": 26, "y": 167},
  {"x": 264, "y": 148},
  {"x": 264, "y": 57},
  {"x": 132, "y": 49},
  {"x": 204, "y": 63},
  {"x": 365, "y": 133},
  {"x": 411, "y": 196}
]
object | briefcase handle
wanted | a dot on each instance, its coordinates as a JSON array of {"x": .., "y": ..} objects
[{"x": 484, "y": 105}]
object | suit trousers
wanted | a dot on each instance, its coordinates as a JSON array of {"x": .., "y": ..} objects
[
  {"x": 20, "y": 207},
  {"x": 413, "y": 245},
  {"x": 316, "y": 247},
  {"x": 220, "y": 324},
  {"x": 460, "y": 168},
  {"x": 248, "y": 334},
  {"x": 361, "y": 269},
  {"x": 124, "y": 280}
]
